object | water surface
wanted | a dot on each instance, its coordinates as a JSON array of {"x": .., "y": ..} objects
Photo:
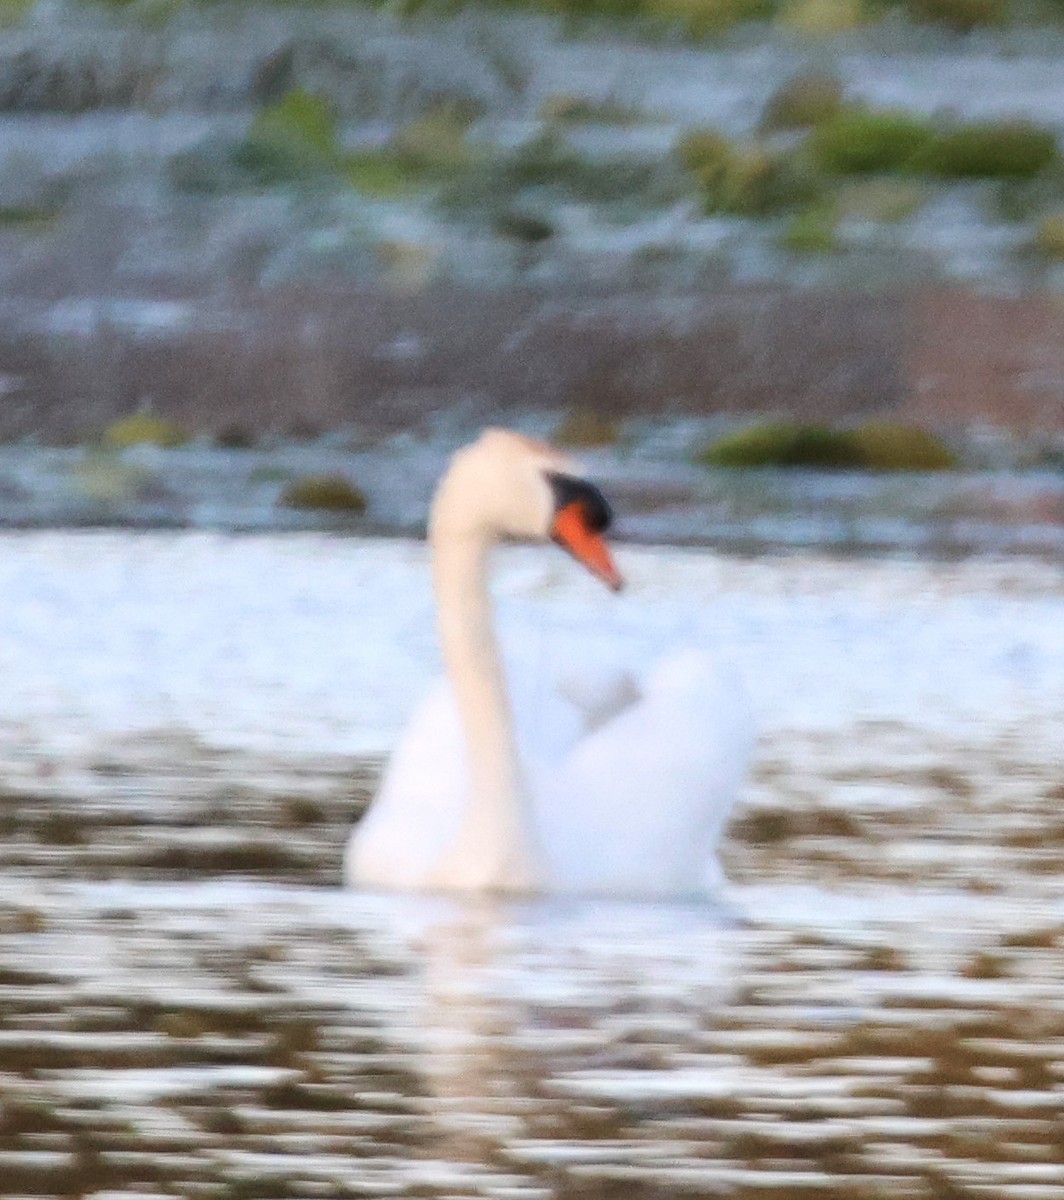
[{"x": 191, "y": 1006}]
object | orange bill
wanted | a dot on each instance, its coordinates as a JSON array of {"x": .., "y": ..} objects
[{"x": 571, "y": 531}]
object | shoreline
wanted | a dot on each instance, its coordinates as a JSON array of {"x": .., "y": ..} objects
[{"x": 660, "y": 500}]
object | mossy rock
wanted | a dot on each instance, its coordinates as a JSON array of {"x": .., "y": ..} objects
[
  {"x": 706, "y": 154},
  {"x": 888, "y": 446},
  {"x": 1050, "y": 237},
  {"x": 884, "y": 198},
  {"x": 27, "y": 218},
  {"x": 15, "y": 12},
  {"x": 542, "y": 161},
  {"x": 324, "y": 493},
  {"x": 583, "y": 428},
  {"x": 754, "y": 182},
  {"x": 823, "y": 18},
  {"x": 566, "y": 109},
  {"x": 1026, "y": 200},
  {"x": 813, "y": 231},
  {"x": 858, "y": 141},
  {"x": 104, "y": 477},
  {"x": 805, "y": 100},
  {"x": 301, "y": 121},
  {"x": 525, "y": 228},
  {"x": 548, "y": 164},
  {"x": 548, "y": 161},
  {"x": 960, "y": 15},
  {"x": 784, "y": 445},
  {"x": 292, "y": 139},
  {"x": 745, "y": 178},
  {"x": 140, "y": 429},
  {"x": 586, "y": 8},
  {"x": 707, "y": 18},
  {"x": 436, "y": 142},
  {"x": 380, "y": 174},
  {"x": 990, "y": 150}
]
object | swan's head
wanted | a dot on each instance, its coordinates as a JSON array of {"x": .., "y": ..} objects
[{"x": 507, "y": 486}]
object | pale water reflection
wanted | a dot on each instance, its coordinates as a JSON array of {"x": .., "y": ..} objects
[
  {"x": 231, "y": 1038},
  {"x": 191, "y": 1007}
]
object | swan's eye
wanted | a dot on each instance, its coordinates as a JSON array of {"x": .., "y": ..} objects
[{"x": 594, "y": 507}]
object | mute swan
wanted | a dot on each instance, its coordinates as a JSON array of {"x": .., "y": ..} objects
[{"x": 611, "y": 788}]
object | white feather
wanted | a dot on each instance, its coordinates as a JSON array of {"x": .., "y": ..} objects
[{"x": 623, "y": 782}]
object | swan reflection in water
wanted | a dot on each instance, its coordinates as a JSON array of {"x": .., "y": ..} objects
[{"x": 520, "y": 1001}]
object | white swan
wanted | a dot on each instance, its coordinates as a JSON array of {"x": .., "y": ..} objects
[{"x": 608, "y": 787}]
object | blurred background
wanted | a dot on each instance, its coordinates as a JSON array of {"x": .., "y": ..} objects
[
  {"x": 788, "y": 276},
  {"x": 265, "y": 227}
]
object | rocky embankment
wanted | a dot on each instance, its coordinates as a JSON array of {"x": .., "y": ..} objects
[{"x": 282, "y": 220}]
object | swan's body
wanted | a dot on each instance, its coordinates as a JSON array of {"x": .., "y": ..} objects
[{"x": 594, "y": 783}]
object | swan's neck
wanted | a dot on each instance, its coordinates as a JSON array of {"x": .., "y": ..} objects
[{"x": 495, "y": 846}]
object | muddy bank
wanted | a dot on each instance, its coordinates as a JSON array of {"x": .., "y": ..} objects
[
  {"x": 304, "y": 359},
  {"x": 299, "y": 360}
]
